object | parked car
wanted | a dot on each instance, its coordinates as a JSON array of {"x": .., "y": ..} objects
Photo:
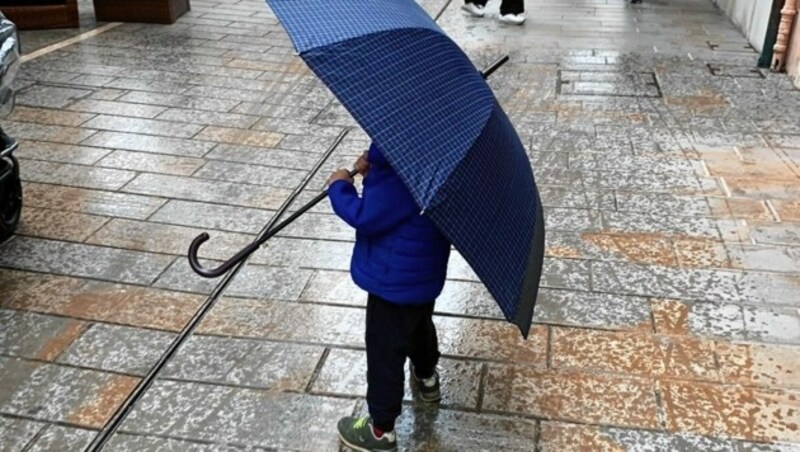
[{"x": 10, "y": 185}]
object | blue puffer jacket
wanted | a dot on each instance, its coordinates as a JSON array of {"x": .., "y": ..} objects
[{"x": 399, "y": 254}]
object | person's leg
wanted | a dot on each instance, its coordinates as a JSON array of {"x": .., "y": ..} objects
[
  {"x": 474, "y": 7},
  {"x": 424, "y": 344},
  {"x": 512, "y": 7},
  {"x": 425, "y": 355},
  {"x": 387, "y": 346}
]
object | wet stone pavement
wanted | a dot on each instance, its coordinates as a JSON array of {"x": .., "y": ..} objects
[{"x": 669, "y": 315}]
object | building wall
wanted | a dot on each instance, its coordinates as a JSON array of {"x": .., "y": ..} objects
[{"x": 751, "y": 16}]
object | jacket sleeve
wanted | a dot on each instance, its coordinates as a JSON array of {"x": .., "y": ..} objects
[{"x": 374, "y": 214}]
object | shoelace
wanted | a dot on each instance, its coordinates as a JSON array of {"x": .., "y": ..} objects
[{"x": 360, "y": 422}]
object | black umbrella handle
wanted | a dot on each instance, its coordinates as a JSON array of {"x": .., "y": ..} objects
[{"x": 194, "y": 248}]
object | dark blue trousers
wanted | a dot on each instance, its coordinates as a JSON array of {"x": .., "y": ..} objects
[{"x": 394, "y": 333}]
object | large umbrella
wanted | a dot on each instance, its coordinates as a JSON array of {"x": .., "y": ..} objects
[{"x": 420, "y": 98}]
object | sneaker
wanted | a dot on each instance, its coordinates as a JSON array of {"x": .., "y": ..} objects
[
  {"x": 473, "y": 9},
  {"x": 513, "y": 19},
  {"x": 429, "y": 388},
  {"x": 358, "y": 433}
]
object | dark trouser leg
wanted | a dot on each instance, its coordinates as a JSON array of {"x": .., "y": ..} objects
[
  {"x": 477, "y": 2},
  {"x": 512, "y": 7},
  {"x": 387, "y": 344},
  {"x": 424, "y": 343}
]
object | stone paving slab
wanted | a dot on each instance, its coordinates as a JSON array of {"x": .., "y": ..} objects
[
  {"x": 556, "y": 436},
  {"x": 73, "y": 259},
  {"x": 97, "y": 301},
  {"x": 55, "y": 437},
  {"x": 95, "y": 202},
  {"x": 131, "y": 443},
  {"x": 769, "y": 415},
  {"x": 76, "y": 175},
  {"x": 604, "y": 399},
  {"x": 48, "y": 392},
  {"x": 146, "y": 143},
  {"x": 62, "y": 153},
  {"x": 161, "y": 164},
  {"x": 37, "y": 336},
  {"x": 59, "y": 225},
  {"x": 117, "y": 349},
  {"x": 17, "y": 433},
  {"x": 238, "y": 416},
  {"x": 247, "y": 363},
  {"x": 208, "y": 191}
]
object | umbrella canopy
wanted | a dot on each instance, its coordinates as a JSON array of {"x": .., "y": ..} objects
[{"x": 420, "y": 98}]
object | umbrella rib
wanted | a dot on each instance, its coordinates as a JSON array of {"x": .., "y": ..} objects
[{"x": 425, "y": 196}]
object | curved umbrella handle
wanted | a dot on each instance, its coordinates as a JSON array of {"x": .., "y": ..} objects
[{"x": 223, "y": 268}]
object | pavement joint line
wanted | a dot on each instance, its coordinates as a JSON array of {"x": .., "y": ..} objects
[
  {"x": 83, "y": 331},
  {"x": 163, "y": 271},
  {"x": 482, "y": 387},
  {"x": 85, "y": 319},
  {"x": 704, "y": 166},
  {"x": 68, "y": 42},
  {"x": 77, "y": 242},
  {"x": 32, "y": 442},
  {"x": 69, "y": 366},
  {"x": 773, "y": 210},
  {"x": 22, "y": 417},
  {"x": 317, "y": 369},
  {"x": 661, "y": 413},
  {"x": 725, "y": 187},
  {"x": 537, "y": 441}
]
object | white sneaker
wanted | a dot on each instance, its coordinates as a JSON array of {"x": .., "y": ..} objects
[
  {"x": 473, "y": 9},
  {"x": 513, "y": 19}
]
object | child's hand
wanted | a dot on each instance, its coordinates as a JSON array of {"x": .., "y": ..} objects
[
  {"x": 338, "y": 175},
  {"x": 362, "y": 164}
]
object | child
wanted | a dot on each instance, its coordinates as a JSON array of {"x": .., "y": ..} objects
[{"x": 400, "y": 259}]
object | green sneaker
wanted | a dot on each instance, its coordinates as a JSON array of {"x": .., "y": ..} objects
[
  {"x": 429, "y": 388},
  {"x": 356, "y": 433}
]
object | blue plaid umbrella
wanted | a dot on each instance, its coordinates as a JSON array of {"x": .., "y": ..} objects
[{"x": 421, "y": 99}]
